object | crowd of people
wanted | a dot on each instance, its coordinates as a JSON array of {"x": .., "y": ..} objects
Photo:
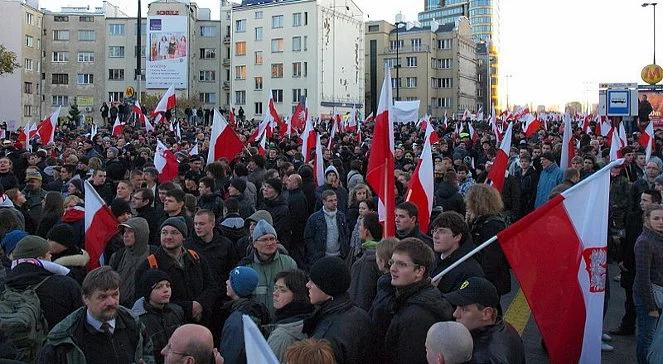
[{"x": 308, "y": 264}]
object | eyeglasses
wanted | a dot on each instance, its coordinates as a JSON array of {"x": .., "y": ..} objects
[
  {"x": 267, "y": 240},
  {"x": 402, "y": 265},
  {"x": 169, "y": 349},
  {"x": 281, "y": 289},
  {"x": 441, "y": 231}
]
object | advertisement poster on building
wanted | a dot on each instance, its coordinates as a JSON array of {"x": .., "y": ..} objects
[
  {"x": 167, "y": 52},
  {"x": 655, "y": 98}
]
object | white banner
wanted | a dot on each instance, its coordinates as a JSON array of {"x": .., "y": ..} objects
[
  {"x": 167, "y": 52},
  {"x": 405, "y": 111}
]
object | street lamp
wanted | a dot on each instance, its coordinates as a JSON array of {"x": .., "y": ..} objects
[
  {"x": 138, "y": 75},
  {"x": 644, "y": 5},
  {"x": 398, "y": 60}
]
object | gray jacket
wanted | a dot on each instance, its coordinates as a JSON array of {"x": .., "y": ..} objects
[{"x": 283, "y": 336}]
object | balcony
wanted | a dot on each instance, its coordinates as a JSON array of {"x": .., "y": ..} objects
[
  {"x": 226, "y": 62},
  {"x": 226, "y": 40}
]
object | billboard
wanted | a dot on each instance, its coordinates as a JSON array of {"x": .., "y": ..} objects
[
  {"x": 655, "y": 98},
  {"x": 167, "y": 52}
]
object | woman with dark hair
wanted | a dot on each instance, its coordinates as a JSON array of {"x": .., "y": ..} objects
[
  {"x": 366, "y": 206},
  {"x": 52, "y": 214},
  {"x": 18, "y": 199},
  {"x": 291, "y": 301},
  {"x": 218, "y": 171}
]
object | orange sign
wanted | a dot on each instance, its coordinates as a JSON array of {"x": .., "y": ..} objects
[{"x": 652, "y": 74}]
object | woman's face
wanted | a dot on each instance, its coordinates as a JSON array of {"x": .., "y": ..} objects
[
  {"x": 5, "y": 165},
  {"x": 71, "y": 189},
  {"x": 361, "y": 195},
  {"x": 282, "y": 294},
  {"x": 656, "y": 220},
  {"x": 363, "y": 208}
]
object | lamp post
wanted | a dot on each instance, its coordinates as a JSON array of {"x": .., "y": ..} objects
[
  {"x": 653, "y": 5},
  {"x": 138, "y": 53},
  {"x": 398, "y": 61}
]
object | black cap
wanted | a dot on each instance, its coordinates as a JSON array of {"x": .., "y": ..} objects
[{"x": 475, "y": 290}]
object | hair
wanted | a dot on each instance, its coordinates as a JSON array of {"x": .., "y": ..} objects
[
  {"x": 190, "y": 203},
  {"x": 12, "y": 193},
  {"x": 371, "y": 222},
  {"x": 420, "y": 253},
  {"x": 655, "y": 195},
  {"x": 310, "y": 351},
  {"x": 53, "y": 203},
  {"x": 258, "y": 160},
  {"x": 177, "y": 194},
  {"x": 136, "y": 172},
  {"x": 385, "y": 248},
  {"x": 101, "y": 279},
  {"x": 410, "y": 208},
  {"x": 295, "y": 280},
  {"x": 72, "y": 198},
  {"x": 462, "y": 168},
  {"x": 208, "y": 182},
  {"x": 240, "y": 170},
  {"x": 370, "y": 203},
  {"x": 526, "y": 157},
  {"x": 70, "y": 168},
  {"x": 356, "y": 165},
  {"x": 151, "y": 171},
  {"x": 96, "y": 170},
  {"x": 326, "y": 194},
  {"x": 209, "y": 213},
  {"x": 217, "y": 169},
  {"x": 8, "y": 222},
  {"x": 576, "y": 159},
  {"x": 483, "y": 200},
  {"x": 353, "y": 193},
  {"x": 570, "y": 173},
  {"x": 127, "y": 183},
  {"x": 648, "y": 211},
  {"x": 453, "y": 221},
  {"x": 167, "y": 186},
  {"x": 297, "y": 178},
  {"x": 146, "y": 193}
]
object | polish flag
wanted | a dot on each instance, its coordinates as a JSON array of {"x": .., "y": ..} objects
[
  {"x": 93, "y": 131},
  {"x": 585, "y": 123},
  {"x": 497, "y": 172},
  {"x": 480, "y": 114},
  {"x": 231, "y": 117},
  {"x": 100, "y": 225},
  {"x": 148, "y": 125},
  {"x": 167, "y": 101},
  {"x": 273, "y": 114},
  {"x": 568, "y": 146},
  {"x": 615, "y": 147},
  {"x": 47, "y": 127},
  {"x": 308, "y": 139},
  {"x": 493, "y": 126},
  {"x": 118, "y": 127},
  {"x": 623, "y": 140},
  {"x": 473, "y": 133},
  {"x": 532, "y": 125},
  {"x": 298, "y": 119},
  {"x": 352, "y": 121},
  {"x": 358, "y": 134},
  {"x": 139, "y": 112},
  {"x": 26, "y": 135},
  {"x": 166, "y": 163},
  {"x": 262, "y": 146},
  {"x": 445, "y": 123},
  {"x": 332, "y": 135},
  {"x": 370, "y": 118},
  {"x": 224, "y": 142},
  {"x": 421, "y": 192},
  {"x": 558, "y": 253},
  {"x": 380, "y": 171},
  {"x": 423, "y": 122},
  {"x": 647, "y": 140},
  {"x": 603, "y": 127},
  {"x": 457, "y": 128},
  {"x": 466, "y": 115},
  {"x": 318, "y": 163},
  {"x": 264, "y": 126}
]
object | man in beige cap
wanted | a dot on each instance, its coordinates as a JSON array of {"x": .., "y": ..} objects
[{"x": 34, "y": 194}]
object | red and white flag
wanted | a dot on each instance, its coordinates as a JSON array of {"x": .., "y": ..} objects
[
  {"x": 140, "y": 117},
  {"x": 498, "y": 170},
  {"x": 194, "y": 150},
  {"x": 118, "y": 126},
  {"x": 467, "y": 115},
  {"x": 273, "y": 114},
  {"x": 318, "y": 163},
  {"x": 562, "y": 246},
  {"x": 231, "y": 117},
  {"x": 332, "y": 135},
  {"x": 473, "y": 133},
  {"x": 265, "y": 126},
  {"x": 532, "y": 125},
  {"x": 352, "y": 121},
  {"x": 167, "y": 101},
  {"x": 28, "y": 133},
  {"x": 370, "y": 118},
  {"x": 165, "y": 162},
  {"x": 100, "y": 226},
  {"x": 568, "y": 145},
  {"x": 46, "y": 129},
  {"x": 421, "y": 192},
  {"x": 647, "y": 140},
  {"x": 380, "y": 171},
  {"x": 623, "y": 139},
  {"x": 262, "y": 145},
  {"x": 224, "y": 142},
  {"x": 615, "y": 146},
  {"x": 298, "y": 119},
  {"x": 445, "y": 122},
  {"x": 308, "y": 138}
]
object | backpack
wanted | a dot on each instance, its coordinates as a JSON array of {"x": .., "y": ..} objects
[
  {"x": 152, "y": 259},
  {"x": 22, "y": 321}
]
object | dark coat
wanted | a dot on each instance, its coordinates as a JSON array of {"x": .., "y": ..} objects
[
  {"x": 246, "y": 209},
  {"x": 152, "y": 216},
  {"x": 415, "y": 233},
  {"x": 217, "y": 254},
  {"x": 499, "y": 343},
  {"x": 492, "y": 259},
  {"x": 528, "y": 181},
  {"x": 381, "y": 309},
  {"x": 280, "y": 212},
  {"x": 416, "y": 309},
  {"x": 347, "y": 328},
  {"x": 298, "y": 217},
  {"x": 315, "y": 235},
  {"x": 116, "y": 169},
  {"x": 232, "y": 346},
  {"x": 364, "y": 283},
  {"x": 212, "y": 202},
  {"x": 452, "y": 280},
  {"x": 159, "y": 323},
  {"x": 308, "y": 188},
  {"x": 449, "y": 198},
  {"x": 511, "y": 196}
]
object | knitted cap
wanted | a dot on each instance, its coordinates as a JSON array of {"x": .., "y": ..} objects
[
  {"x": 11, "y": 239},
  {"x": 62, "y": 234},
  {"x": 275, "y": 183},
  {"x": 150, "y": 279},
  {"x": 262, "y": 228},
  {"x": 119, "y": 207},
  {"x": 31, "y": 246},
  {"x": 239, "y": 184},
  {"x": 331, "y": 275},
  {"x": 243, "y": 280},
  {"x": 178, "y": 223},
  {"x": 261, "y": 215}
]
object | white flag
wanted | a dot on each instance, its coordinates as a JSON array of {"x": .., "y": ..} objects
[{"x": 255, "y": 345}]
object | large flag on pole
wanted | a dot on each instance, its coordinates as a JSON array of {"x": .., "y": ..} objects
[
  {"x": 165, "y": 162},
  {"x": 498, "y": 170},
  {"x": 223, "y": 143},
  {"x": 568, "y": 147},
  {"x": 308, "y": 140},
  {"x": 47, "y": 127},
  {"x": 100, "y": 225},
  {"x": 647, "y": 140},
  {"x": 167, "y": 101},
  {"x": 318, "y": 162},
  {"x": 380, "y": 171},
  {"x": 421, "y": 192}
]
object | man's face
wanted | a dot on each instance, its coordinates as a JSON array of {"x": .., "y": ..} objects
[
  {"x": 546, "y": 148},
  {"x": 170, "y": 205},
  {"x": 137, "y": 180},
  {"x": 588, "y": 164},
  {"x": 444, "y": 240},
  {"x": 203, "y": 226},
  {"x": 190, "y": 185},
  {"x": 268, "y": 192},
  {"x": 33, "y": 184},
  {"x": 403, "y": 270},
  {"x": 103, "y": 304},
  {"x": 315, "y": 294},
  {"x": 652, "y": 170},
  {"x": 545, "y": 163},
  {"x": 137, "y": 200},
  {"x": 64, "y": 174},
  {"x": 162, "y": 195},
  {"x": 524, "y": 164},
  {"x": 645, "y": 201},
  {"x": 204, "y": 190},
  {"x": 404, "y": 222},
  {"x": 33, "y": 160},
  {"x": 330, "y": 203},
  {"x": 272, "y": 154},
  {"x": 291, "y": 182},
  {"x": 331, "y": 178},
  {"x": 470, "y": 316},
  {"x": 99, "y": 178},
  {"x": 122, "y": 191},
  {"x": 522, "y": 153},
  {"x": 232, "y": 191},
  {"x": 171, "y": 238},
  {"x": 129, "y": 237},
  {"x": 399, "y": 153},
  {"x": 576, "y": 165},
  {"x": 629, "y": 157},
  {"x": 196, "y": 165},
  {"x": 640, "y": 160},
  {"x": 536, "y": 152},
  {"x": 5, "y": 165},
  {"x": 161, "y": 293},
  {"x": 327, "y": 154},
  {"x": 266, "y": 245},
  {"x": 462, "y": 176}
]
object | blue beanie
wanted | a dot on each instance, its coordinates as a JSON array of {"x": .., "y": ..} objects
[
  {"x": 243, "y": 281},
  {"x": 10, "y": 240}
]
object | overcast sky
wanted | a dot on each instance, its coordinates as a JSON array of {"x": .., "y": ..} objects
[{"x": 554, "y": 51}]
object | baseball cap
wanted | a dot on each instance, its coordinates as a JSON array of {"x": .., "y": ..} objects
[{"x": 475, "y": 290}]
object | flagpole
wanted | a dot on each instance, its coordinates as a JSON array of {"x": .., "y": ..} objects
[{"x": 465, "y": 257}]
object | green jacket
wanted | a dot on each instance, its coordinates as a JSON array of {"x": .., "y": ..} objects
[
  {"x": 267, "y": 271},
  {"x": 61, "y": 348}
]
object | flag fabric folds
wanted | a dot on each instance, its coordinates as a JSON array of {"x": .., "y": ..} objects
[
  {"x": 421, "y": 192},
  {"x": 100, "y": 225},
  {"x": 166, "y": 163},
  {"x": 46, "y": 129},
  {"x": 256, "y": 347},
  {"x": 167, "y": 102},
  {"x": 224, "y": 142},
  {"x": 497, "y": 172}
]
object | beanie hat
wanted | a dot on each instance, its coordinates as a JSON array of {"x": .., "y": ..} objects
[
  {"x": 62, "y": 234},
  {"x": 119, "y": 207},
  {"x": 275, "y": 183},
  {"x": 261, "y": 229},
  {"x": 261, "y": 215},
  {"x": 239, "y": 184},
  {"x": 178, "y": 223},
  {"x": 243, "y": 280},
  {"x": 331, "y": 275},
  {"x": 31, "y": 246},
  {"x": 150, "y": 279},
  {"x": 331, "y": 169},
  {"x": 11, "y": 239}
]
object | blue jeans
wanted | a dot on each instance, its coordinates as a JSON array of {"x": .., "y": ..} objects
[{"x": 646, "y": 328}]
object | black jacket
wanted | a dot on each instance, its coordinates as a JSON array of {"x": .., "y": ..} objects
[
  {"x": 159, "y": 323},
  {"x": 278, "y": 208},
  {"x": 452, "y": 280},
  {"x": 511, "y": 196},
  {"x": 212, "y": 202},
  {"x": 528, "y": 181},
  {"x": 381, "y": 310},
  {"x": 449, "y": 198},
  {"x": 347, "y": 328},
  {"x": 152, "y": 216},
  {"x": 492, "y": 259},
  {"x": 246, "y": 209},
  {"x": 499, "y": 343},
  {"x": 415, "y": 233},
  {"x": 365, "y": 275},
  {"x": 217, "y": 254},
  {"x": 416, "y": 308},
  {"x": 298, "y": 217},
  {"x": 58, "y": 296}
]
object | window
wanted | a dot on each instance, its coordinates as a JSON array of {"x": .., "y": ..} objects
[
  {"x": 60, "y": 57},
  {"x": 60, "y": 18},
  {"x": 60, "y": 35},
  {"x": 116, "y": 29},
  {"x": 60, "y": 79},
  {"x": 116, "y": 96},
  {"x": 259, "y": 33},
  {"x": 116, "y": 52},
  {"x": 87, "y": 35},
  {"x": 396, "y": 44},
  {"x": 27, "y": 110},
  {"x": 277, "y": 45},
  {"x": 207, "y": 53},
  {"x": 444, "y": 43},
  {"x": 416, "y": 44},
  {"x": 373, "y": 28},
  {"x": 411, "y": 61},
  {"x": 297, "y": 69},
  {"x": 277, "y": 21},
  {"x": 29, "y": 41},
  {"x": 277, "y": 70},
  {"x": 277, "y": 95},
  {"x": 306, "y": 18},
  {"x": 86, "y": 19},
  {"x": 297, "y": 94},
  {"x": 60, "y": 100},
  {"x": 240, "y": 97},
  {"x": 305, "y": 69},
  {"x": 297, "y": 19},
  {"x": 116, "y": 74},
  {"x": 240, "y": 26},
  {"x": 391, "y": 62},
  {"x": 258, "y": 57},
  {"x": 207, "y": 31},
  {"x": 435, "y": 82},
  {"x": 27, "y": 87},
  {"x": 411, "y": 82},
  {"x": 395, "y": 82},
  {"x": 257, "y": 15},
  {"x": 85, "y": 79},
  {"x": 208, "y": 97},
  {"x": 447, "y": 82},
  {"x": 240, "y": 48},
  {"x": 28, "y": 64},
  {"x": 258, "y": 108},
  {"x": 85, "y": 57},
  {"x": 29, "y": 18},
  {"x": 240, "y": 72},
  {"x": 296, "y": 44},
  {"x": 258, "y": 83},
  {"x": 207, "y": 76}
]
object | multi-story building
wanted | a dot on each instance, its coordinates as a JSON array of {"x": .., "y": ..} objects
[
  {"x": 295, "y": 48},
  {"x": 443, "y": 12},
  {"x": 436, "y": 66},
  {"x": 22, "y": 90}
]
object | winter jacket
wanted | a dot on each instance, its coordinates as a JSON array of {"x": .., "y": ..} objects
[
  {"x": 267, "y": 271},
  {"x": 365, "y": 274},
  {"x": 298, "y": 217},
  {"x": 287, "y": 327},
  {"x": 152, "y": 216},
  {"x": 381, "y": 311},
  {"x": 8, "y": 180},
  {"x": 528, "y": 181},
  {"x": 447, "y": 196},
  {"x": 341, "y": 196},
  {"x": 251, "y": 192},
  {"x": 346, "y": 327},
  {"x": 33, "y": 202},
  {"x": 492, "y": 259},
  {"x": 499, "y": 343},
  {"x": 416, "y": 308},
  {"x": 232, "y": 336},
  {"x": 75, "y": 217},
  {"x": 76, "y": 260},
  {"x": 126, "y": 260},
  {"x": 217, "y": 253},
  {"x": 246, "y": 208},
  {"x": 159, "y": 323},
  {"x": 315, "y": 236},
  {"x": 74, "y": 341},
  {"x": 58, "y": 296},
  {"x": 232, "y": 227},
  {"x": 280, "y": 212},
  {"x": 6, "y": 203},
  {"x": 105, "y": 191},
  {"x": 452, "y": 280},
  {"x": 511, "y": 196},
  {"x": 548, "y": 179},
  {"x": 648, "y": 267},
  {"x": 415, "y": 233},
  {"x": 212, "y": 202}
]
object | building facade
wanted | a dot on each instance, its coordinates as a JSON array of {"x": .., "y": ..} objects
[{"x": 436, "y": 66}]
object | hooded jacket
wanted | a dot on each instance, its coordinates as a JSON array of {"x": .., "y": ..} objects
[
  {"x": 76, "y": 260},
  {"x": 232, "y": 227},
  {"x": 126, "y": 260},
  {"x": 447, "y": 196},
  {"x": 159, "y": 323}
]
